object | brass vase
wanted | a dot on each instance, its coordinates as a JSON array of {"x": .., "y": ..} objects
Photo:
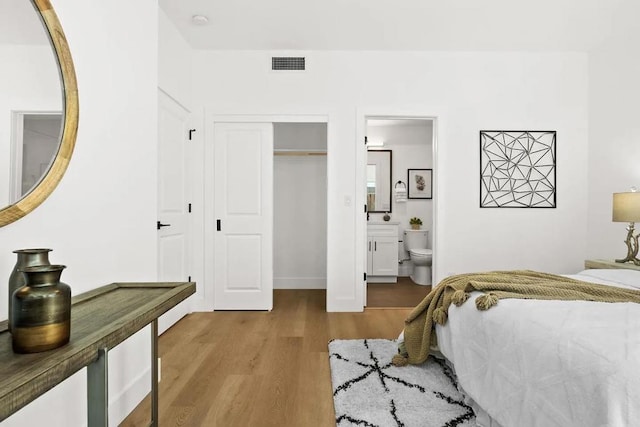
[
  {"x": 41, "y": 318},
  {"x": 26, "y": 258}
]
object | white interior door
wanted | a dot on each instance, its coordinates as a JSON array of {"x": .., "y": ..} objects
[
  {"x": 243, "y": 243},
  {"x": 173, "y": 200}
]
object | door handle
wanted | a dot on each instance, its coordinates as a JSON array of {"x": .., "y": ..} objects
[
  {"x": 369, "y": 245},
  {"x": 159, "y": 225},
  {"x": 375, "y": 245}
]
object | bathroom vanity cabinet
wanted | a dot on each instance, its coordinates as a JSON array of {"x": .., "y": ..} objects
[{"x": 382, "y": 253}]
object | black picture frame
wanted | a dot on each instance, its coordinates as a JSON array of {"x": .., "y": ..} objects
[
  {"x": 518, "y": 169},
  {"x": 420, "y": 184}
]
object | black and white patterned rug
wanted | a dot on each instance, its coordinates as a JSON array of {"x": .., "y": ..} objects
[{"x": 369, "y": 391}]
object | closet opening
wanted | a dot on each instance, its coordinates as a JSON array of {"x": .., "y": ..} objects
[
  {"x": 266, "y": 200},
  {"x": 300, "y": 206}
]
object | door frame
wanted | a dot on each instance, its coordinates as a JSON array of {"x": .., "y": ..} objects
[
  {"x": 362, "y": 115},
  {"x": 209, "y": 230}
]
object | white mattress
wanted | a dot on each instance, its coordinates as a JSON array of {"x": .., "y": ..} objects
[{"x": 550, "y": 363}]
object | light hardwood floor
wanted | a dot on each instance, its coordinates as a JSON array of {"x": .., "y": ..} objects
[
  {"x": 257, "y": 368},
  {"x": 404, "y": 293}
]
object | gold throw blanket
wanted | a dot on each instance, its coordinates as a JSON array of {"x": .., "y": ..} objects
[{"x": 419, "y": 329}]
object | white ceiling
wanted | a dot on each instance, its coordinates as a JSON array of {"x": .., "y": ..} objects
[{"x": 530, "y": 25}]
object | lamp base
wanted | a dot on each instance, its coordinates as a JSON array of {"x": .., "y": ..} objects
[
  {"x": 635, "y": 261},
  {"x": 632, "y": 246}
]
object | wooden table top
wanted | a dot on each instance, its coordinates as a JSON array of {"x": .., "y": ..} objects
[{"x": 101, "y": 318}]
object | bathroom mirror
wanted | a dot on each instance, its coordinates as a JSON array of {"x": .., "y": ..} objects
[
  {"x": 38, "y": 106},
  {"x": 379, "y": 181}
]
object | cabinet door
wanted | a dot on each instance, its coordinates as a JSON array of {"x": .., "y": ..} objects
[
  {"x": 385, "y": 256},
  {"x": 370, "y": 256}
]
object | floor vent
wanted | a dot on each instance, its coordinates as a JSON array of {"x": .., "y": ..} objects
[{"x": 288, "y": 63}]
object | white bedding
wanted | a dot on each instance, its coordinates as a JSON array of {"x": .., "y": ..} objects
[{"x": 550, "y": 363}]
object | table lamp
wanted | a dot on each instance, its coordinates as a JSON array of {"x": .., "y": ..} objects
[{"x": 626, "y": 208}]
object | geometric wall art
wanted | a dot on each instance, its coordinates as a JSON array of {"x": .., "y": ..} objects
[{"x": 517, "y": 169}]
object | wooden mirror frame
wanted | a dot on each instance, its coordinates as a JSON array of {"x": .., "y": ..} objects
[{"x": 50, "y": 180}]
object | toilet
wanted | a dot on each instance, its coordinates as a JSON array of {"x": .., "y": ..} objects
[{"x": 415, "y": 242}]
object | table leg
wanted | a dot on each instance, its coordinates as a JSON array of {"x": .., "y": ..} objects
[
  {"x": 154, "y": 373},
  {"x": 98, "y": 391}
]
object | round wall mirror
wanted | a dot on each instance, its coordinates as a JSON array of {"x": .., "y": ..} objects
[{"x": 38, "y": 106}]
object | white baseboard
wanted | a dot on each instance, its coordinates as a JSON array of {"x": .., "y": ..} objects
[
  {"x": 345, "y": 305},
  {"x": 299, "y": 283},
  {"x": 199, "y": 304},
  {"x": 126, "y": 401},
  {"x": 382, "y": 279},
  {"x": 172, "y": 316}
]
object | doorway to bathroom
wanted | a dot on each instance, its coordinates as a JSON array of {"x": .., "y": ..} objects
[{"x": 400, "y": 197}]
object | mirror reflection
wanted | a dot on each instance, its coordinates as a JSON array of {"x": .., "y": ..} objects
[
  {"x": 31, "y": 100},
  {"x": 379, "y": 181}
]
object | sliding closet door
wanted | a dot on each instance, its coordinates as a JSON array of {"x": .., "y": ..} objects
[{"x": 243, "y": 216}]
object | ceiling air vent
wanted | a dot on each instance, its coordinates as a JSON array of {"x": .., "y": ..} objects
[{"x": 288, "y": 63}]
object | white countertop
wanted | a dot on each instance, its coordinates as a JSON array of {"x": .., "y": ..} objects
[{"x": 377, "y": 222}]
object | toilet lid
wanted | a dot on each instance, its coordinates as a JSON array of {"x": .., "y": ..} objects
[{"x": 422, "y": 252}]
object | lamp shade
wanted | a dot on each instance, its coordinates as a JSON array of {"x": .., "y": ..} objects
[{"x": 626, "y": 207}]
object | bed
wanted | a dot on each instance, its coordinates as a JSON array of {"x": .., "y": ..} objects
[{"x": 549, "y": 363}]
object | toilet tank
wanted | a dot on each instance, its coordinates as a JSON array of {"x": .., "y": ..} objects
[{"x": 415, "y": 239}]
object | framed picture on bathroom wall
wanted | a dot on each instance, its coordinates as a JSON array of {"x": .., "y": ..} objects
[{"x": 420, "y": 183}]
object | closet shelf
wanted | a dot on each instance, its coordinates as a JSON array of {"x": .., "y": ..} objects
[{"x": 292, "y": 152}]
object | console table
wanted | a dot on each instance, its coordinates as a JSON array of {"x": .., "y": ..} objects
[
  {"x": 607, "y": 264},
  {"x": 100, "y": 320}
]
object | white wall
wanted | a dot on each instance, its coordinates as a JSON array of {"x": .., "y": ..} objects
[
  {"x": 467, "y": 92},
  {"x": 614, "y": 144},
  {"x": 614, "y": 130},
  {"x": 174, "y": 62},
  {"x": 100, "y": 220},
  {"x": 300, "y": 208}
]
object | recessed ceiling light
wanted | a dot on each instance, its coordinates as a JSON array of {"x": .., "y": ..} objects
[{"x": 199, "y": 20}]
